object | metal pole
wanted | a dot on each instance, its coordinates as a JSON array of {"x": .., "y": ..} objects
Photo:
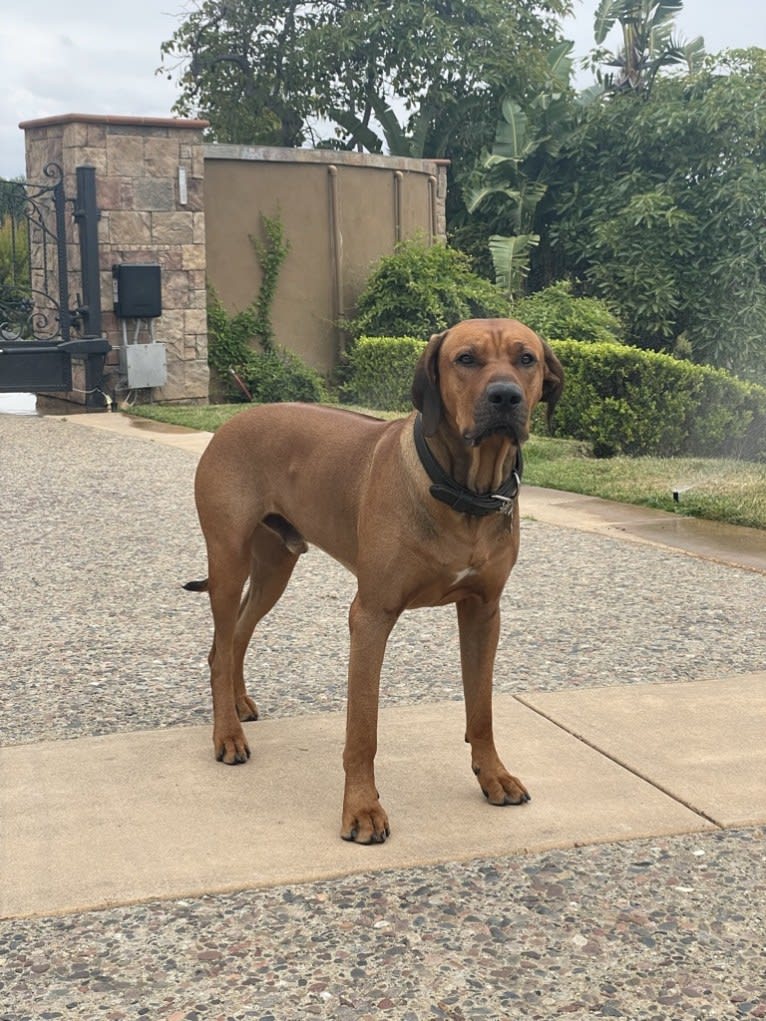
[
  {"x": 87, "y": 215},
  {"x": 336, "y": 257},
  {"x": 65, "y": 316}
]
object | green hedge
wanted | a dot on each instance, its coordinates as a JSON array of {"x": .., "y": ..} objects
[
  {"x": 620, "y": 400},
  {"x": 623, "y": 400},
  {"x": 379, "y": 372}
]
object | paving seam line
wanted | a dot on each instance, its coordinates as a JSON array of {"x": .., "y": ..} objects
[{"x": 619, "y": 762}]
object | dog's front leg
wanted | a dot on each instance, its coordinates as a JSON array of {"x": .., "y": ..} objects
[
  {"x": 479, "y": 624},
  {"x": 364, "y": 819}
]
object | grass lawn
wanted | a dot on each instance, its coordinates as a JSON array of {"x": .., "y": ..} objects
[
  {"x": 712, "y": 488},
  {"x": 720, "y": 490}
]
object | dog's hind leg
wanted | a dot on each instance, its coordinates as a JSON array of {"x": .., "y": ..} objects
[
  {"x": 228, "y": 568},
  {"x": 271, "y": 566}
]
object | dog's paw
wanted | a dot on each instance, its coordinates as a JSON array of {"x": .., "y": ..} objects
[
  {"x": 365, "y": 823},
  {"x": 232, "y": 749},
  {"x": 500, "y": 788},
  {"x": 246, "y": 708}
]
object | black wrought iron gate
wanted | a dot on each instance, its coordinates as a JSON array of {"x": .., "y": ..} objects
[{"x": 39, "y": 332}]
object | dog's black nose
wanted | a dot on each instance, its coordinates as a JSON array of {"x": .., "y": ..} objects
[{"x": 504, "y": 395}]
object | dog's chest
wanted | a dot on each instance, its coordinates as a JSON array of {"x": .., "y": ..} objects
[
  {"x": 466, "y": 572},
  {"x": 449, "y": 582}
]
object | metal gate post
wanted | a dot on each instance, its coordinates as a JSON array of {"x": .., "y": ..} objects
[
  {"x": 86, "y": 215},
  {"x": 59, "y": 203},
  {"x": 28, "y": 360}
]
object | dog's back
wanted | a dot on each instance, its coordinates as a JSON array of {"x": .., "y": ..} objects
[{"x": 278, "y": 462}]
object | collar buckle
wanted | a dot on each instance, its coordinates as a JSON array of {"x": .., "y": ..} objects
[{"x": 509, "y": 502}]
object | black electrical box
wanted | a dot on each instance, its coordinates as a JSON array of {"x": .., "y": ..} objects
[{"x": 137, "y": 290}]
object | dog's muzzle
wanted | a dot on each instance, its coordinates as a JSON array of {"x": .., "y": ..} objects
[
  {"x": 500, "y": 409},
  {"x": 503, "y": 396}
]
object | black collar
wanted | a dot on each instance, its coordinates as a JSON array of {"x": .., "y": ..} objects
[{"x": 460, "y": 499}]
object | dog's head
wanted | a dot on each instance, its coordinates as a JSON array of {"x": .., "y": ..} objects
[{"x": 485, "y": 376}]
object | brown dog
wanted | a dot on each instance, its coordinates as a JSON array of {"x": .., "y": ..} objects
[{"x": 422, "y": 510}]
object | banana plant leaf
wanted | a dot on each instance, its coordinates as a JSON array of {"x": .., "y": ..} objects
[{"x": 510, "y": 257}]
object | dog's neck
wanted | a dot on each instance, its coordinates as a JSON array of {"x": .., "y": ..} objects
[
  {"x": 481, "y": 469},
  {"x": 458, "y": 473},
  {"x": 491, "y": 464}
]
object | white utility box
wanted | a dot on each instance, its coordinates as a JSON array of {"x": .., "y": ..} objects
[{"x": 144, "y": 365}]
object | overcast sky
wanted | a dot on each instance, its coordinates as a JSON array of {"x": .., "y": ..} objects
[{"x": 78, "y": 56}]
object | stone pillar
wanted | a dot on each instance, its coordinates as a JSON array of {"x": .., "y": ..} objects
[{"x": 146, "y": 217}]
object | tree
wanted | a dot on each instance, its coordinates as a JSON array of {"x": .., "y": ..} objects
[
  {"x": 524, "y": 164},
  {"x": 514, "y": 178},
  {"x": 661, "y": 210},
  {"x": 648, "y": 45},
  {"x": 243, "y": 69},
  {"x": 14, "y": 253},
  {"x": 422, "y": 79}
]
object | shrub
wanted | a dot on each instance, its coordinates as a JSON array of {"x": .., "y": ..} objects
[
  {"x": 623, "y": 400},
  {"x": 555, "y": 313},
  {"x": 279, "y": 375},
  {"x": 379, "y": 372},
  {"x": 270, "y": 375},
  {"x": 421, "y": 290}
]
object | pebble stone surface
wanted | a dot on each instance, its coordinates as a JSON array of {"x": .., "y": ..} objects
[{"x": 97, "y": 533}]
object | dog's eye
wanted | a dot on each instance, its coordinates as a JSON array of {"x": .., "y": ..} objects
[
  {"x": 466, "y": 358},
  {"x": 527, "y": 358}
]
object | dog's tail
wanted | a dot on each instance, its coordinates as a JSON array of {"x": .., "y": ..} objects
[{"x": 196, "y": 586}]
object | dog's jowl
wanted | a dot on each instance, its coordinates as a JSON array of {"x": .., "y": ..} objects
[{"x": 422, "y": 510}]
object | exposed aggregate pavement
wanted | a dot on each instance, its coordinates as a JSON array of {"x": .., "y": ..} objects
[{"x": 96, "y": 636}]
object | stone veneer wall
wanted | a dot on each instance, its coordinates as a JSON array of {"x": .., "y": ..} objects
[
  {"x": 374, "y": 200},
  {"x": 143, "y": 220}
]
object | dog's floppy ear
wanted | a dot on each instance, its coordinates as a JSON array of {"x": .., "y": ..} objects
[
  {"x": 553, "y": 381},
  {"x": 425, "y": 387}
]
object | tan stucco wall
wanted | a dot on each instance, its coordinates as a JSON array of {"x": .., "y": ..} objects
[{"x": 341, "y": 212}]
